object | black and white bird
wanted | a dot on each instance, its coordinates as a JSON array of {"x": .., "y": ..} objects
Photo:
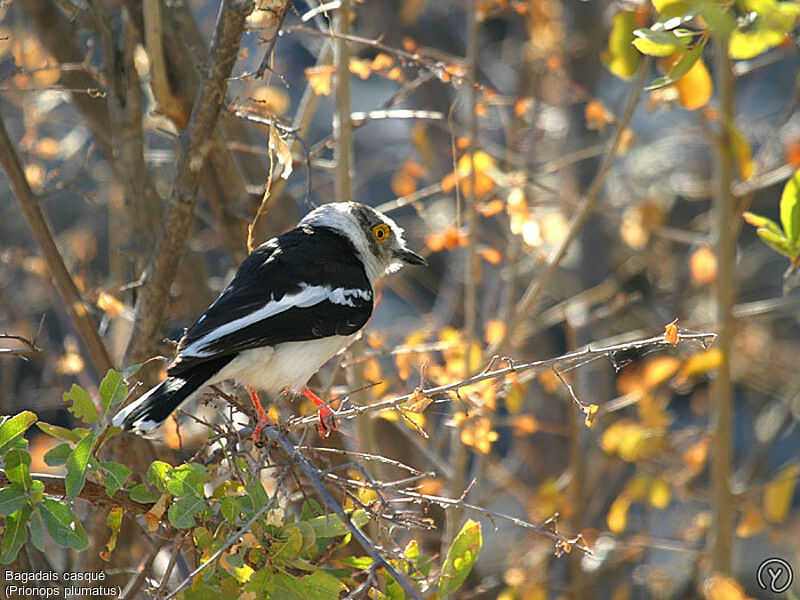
[{"x": 294, "y": 303}]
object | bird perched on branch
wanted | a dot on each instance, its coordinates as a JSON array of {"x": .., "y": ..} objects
[{"x": 295, "y": 302}]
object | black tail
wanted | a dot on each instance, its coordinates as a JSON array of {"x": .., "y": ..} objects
[{"x": 152, "y": 409}]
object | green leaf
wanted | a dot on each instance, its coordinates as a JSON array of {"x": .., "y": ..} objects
[
  {"x": 81, "y": 404},
  {"x": 12, "y": 429},
  {"x": 328, "y": 526},
  {"x": 62, "y": 433},
  {"x": 18, "y": 471},
  {"x": 681, "y": 66},
  {"x": 113, "y": 390},
  {"x": 309, "y": 538},
  {"x": 621, "y": 58},
  {"x": 114, "y": 476},
  {"x": 229, "y": 508},
  {"x": 289, "y": 548},
  {"x": 11, "y": 500},
  {"x": 256, "y": 493},
  {"x": 181, "y": 513},
  {"x": 461, "y": 556},
  {"x": 157, "y": 474},
  {"x": 36, "y": 528},
  {"x": 77, "y": 464},
  {"x": 719, "y": 18},
  {"x": 114, "y": 521},
  {"x": 187, "y": 480},
  {"x": 57, "y": 456},
  {"x": 139, "y": 493},
  {"x": 358, "y": 562},
  {"x": 316, "y": 586},
  {"x": 36, "y": 493},
  {"x": 16, "y": 532},
  {"x": 62, "y": 525},
  {"x": 790, "y": 208},
  {"x": 777, "y": 242}
]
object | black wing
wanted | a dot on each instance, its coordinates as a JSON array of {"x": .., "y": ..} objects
[{"x": 305, "y": 284}]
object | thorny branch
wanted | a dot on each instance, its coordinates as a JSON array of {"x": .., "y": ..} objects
[{"x": 568, "y": 361}]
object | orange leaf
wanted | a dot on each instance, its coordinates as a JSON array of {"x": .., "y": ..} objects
[
  {"x": 403, "y": 184},
  {"x": 319, "y": 78},
  {"x": 360, "y": 67},
  {"x": 719, "y": 587},
  {"x": 695, "y": 456},
  {"x": 597, "y": 116},
  {"x": 110, "y": 305},
  {"x": 491, "y": 255},
  {"x": 792, "y": 153},
  {"x": 491, "y": 208},
  {"x": 703, "y": 266},
  {"x": 524, "y": 425},
  {"x": 695, "y": 88},
  {"x": 671, "y": 333},
  {"x": 495, "y": 330},
  {"x": 522, "y": 106},
  {"x": 382, "y": 61}
]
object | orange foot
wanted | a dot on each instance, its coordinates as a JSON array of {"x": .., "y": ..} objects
[
  {"x": 327, "y": 420},
  {"x": 263, "y": 419}
]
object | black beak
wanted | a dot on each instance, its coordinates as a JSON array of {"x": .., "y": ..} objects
[{"x": 409, "y": 257}]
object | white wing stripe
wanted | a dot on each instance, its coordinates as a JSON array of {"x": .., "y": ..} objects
[{"x": 309, "y": 295}]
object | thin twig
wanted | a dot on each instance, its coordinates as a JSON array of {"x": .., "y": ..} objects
[
  {"x": 40, "y": 228},
  {"x": 569, "y": 359}
]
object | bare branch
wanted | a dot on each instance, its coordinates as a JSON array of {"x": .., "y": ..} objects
[{"x": 195, "y": 146}]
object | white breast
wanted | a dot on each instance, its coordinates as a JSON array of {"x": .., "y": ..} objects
[{"x": 287, "y": 365}]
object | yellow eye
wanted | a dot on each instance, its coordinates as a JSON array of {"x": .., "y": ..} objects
[{"x": 381, "y": 232}]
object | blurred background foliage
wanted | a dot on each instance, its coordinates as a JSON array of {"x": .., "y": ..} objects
[{"x": 496, "y": 133}]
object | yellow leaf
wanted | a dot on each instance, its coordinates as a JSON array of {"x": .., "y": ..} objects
[
  {"x": 621, "y": 58},
  {"x": 701, "y": 363},
  {"x": 515, "y": 397},
  {"x": 319, "y": 78},
  {"x": 778, "y": 494},
  {"x": 694, "y": 88},
  {"x": 660, "y": 495},
  {"x": 659, "y": 370},
  {"x": 477, "y": 432},
  {"x": 743, "y": 153},
  {"x": 617, "y": 518}
]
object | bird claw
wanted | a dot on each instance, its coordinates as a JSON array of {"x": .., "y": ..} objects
[
  {"x": 263, "y": 418},
  {"x": 327, "y": 419}
]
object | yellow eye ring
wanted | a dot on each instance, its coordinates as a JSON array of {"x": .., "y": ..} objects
[{"x": 381, "y": 232}]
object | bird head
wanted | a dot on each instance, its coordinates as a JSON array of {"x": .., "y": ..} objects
[{"x": 377, "y": 238}]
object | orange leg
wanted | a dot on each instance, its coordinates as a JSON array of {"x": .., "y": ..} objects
[
  {"x": 263, "y": 419},
  {"x": 327, "y": 420}
]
